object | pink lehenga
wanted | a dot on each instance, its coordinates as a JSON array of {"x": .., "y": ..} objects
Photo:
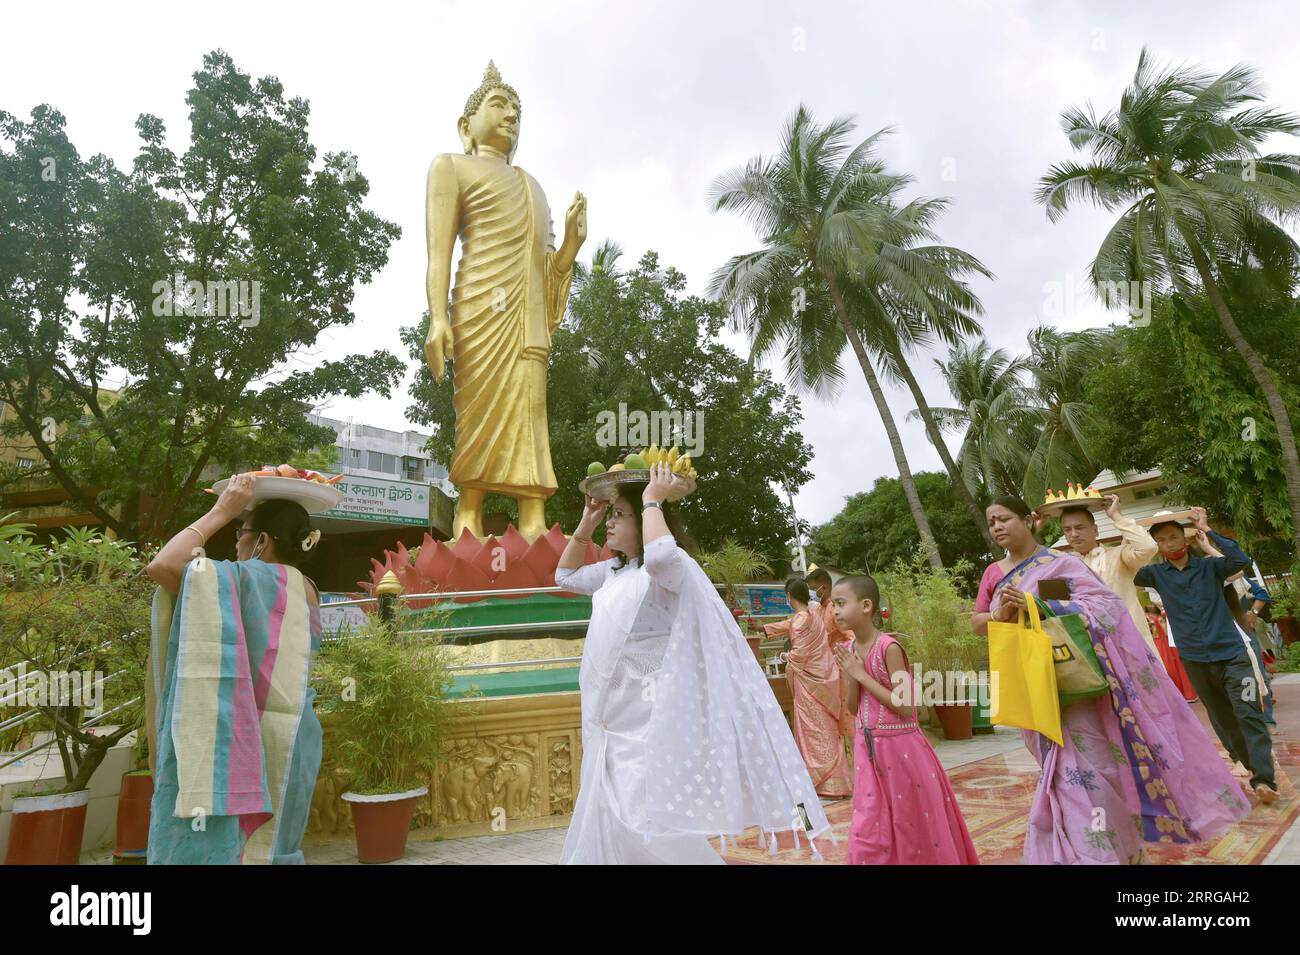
[
  {"x": 904, "y": 809},
  {"x": 817, "y": 707}
]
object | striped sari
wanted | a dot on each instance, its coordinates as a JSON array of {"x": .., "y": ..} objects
[{"x": 236, "y": 742}]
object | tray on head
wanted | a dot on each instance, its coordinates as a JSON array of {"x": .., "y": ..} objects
[
  {"x": 312, "y": 495},
  {"x": 1055, "y": 508},
  {"x": 605, "y": 486}
]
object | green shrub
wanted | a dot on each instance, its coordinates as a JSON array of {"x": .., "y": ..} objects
[
  {"x": 381, "y": 698},
  {"x": 80, "y": 605},
  {"x": 931, "y": 617}
]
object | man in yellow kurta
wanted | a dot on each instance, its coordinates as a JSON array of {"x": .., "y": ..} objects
[
  {"x": 1116, "y": 566},
  {"x": 512, "y": 285}
]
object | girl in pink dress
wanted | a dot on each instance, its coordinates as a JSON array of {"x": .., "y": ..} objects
[{"x": 904, "y": 810}]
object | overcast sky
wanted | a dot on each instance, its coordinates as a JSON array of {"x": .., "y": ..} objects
[{"x": 641, "y": 106}]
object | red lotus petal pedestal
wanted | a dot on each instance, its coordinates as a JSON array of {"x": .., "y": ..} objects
[{"x": 484, "y": 564}]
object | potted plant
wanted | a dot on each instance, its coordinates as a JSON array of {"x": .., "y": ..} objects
[
  {"x": 1285, "y": 609},
  {"x": 731, "y": 566},
  {"x": 133, "y": 803},
  {"x": 381, "y": 701},
  {"x": 74, "y": 638},
  {"x": 932, "y": 619}
]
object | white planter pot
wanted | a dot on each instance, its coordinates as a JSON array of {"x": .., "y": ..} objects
[{"x": 385, "y": 797}]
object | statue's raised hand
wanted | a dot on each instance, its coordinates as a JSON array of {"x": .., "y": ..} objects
[
  {"x": 575, "y": 220},
  {"x": 437, "y": 346}
]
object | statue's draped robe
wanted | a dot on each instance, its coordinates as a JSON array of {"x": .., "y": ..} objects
[{"x": 508, "y": 299}]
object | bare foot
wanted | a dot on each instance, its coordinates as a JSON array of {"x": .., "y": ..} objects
[
  {"x": 1266, "y": 793},
  {"x": 1241, "y": 771}
]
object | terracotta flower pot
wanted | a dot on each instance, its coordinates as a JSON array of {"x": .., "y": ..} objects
[
  {"x": 47, "y": 829},
  {"x": 955, "y": 719},
  {"x": 1290, "y": 630},
  {"x": 383, "y": 822},
  {"x": 133, "y": 814}
]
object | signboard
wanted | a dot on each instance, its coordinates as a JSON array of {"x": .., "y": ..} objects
[
  {"x": 334, "y": 619},
  {"x": 381, "y": 501},
  {"x": 768, "y": 600}
]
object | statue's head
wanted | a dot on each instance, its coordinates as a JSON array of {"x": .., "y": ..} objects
[{"x": 491, "y": 115}]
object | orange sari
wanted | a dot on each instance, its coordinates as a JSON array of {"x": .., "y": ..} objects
[{"x": 818, "y": 708}]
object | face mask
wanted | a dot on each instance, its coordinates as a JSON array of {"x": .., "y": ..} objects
[{"x": 1177, "y": 555}]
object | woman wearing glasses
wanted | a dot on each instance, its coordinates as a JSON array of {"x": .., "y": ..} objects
[
  {"x": 682, "y": 737},
  {"x": 233, "y": 738}
]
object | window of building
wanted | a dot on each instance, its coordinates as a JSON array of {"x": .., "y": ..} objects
[
  {"x": 378, "y": 461},
  {"x": 26, "y": 463}
]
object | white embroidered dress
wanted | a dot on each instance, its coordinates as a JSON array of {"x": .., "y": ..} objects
[{"x": 682, "y": 737}]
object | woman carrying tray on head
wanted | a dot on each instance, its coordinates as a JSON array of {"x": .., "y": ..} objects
[
  {"x": 682, "y": 737},
  {"x": 1136, "y": 765},
  {"x": 233, "y": 738}
]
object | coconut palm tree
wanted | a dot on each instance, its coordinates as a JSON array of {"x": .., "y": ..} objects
[
  {"x": 1180, "y": 157},
  {"x": 1058, "y": 364},
  {"x": 994, "y": 413},
  {"x": 895, "y": 325},
  {"x": 731, "y": 566},
  {"x": 604, "y": 261},
  {"x": 841, "y": 266},
  {"x": 604, "y": 264}
]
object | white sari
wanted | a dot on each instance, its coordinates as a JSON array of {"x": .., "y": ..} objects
[{"x": 682, "y": 737}]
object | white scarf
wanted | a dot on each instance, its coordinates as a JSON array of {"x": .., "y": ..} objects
[{"x": 720, "y": 756}]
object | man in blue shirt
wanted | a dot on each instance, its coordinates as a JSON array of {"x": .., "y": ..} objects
[{"x": 1213, "y": 649}]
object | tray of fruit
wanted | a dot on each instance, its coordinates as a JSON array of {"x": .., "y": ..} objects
[
  {"x": 1076, "y": 495},
  {"x": 311, "y": 489},
  {"x": 603, "y": 483}
]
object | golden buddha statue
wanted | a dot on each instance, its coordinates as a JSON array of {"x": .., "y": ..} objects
[{"x": 511, "y": 289}]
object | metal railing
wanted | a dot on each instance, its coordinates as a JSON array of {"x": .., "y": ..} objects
[
  {"x": 456, "y": 632},
  {"x": 17, "y": 757}
]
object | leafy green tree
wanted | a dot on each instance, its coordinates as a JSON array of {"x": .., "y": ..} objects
[
  {"x": 77, "y": 606},
  {"x": 635, "y": 338},
  {"x": 1177, "y": 396},
  {"x": 1181, "y": 158},
  {"x": 873, "y": 530},
  {"x": 95, "y": 272}
]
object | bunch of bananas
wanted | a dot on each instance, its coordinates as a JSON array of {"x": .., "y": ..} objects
[{"x": 679, "y": 463}]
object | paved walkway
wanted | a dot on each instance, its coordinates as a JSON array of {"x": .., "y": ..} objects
[{"x": 542, "y": 846}]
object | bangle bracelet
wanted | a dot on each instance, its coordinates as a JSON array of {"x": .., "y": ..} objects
[
  {"x": 585, "y": 540},
  {"x": 203, "y": 540},
  {"x": 648, "y": 504}
]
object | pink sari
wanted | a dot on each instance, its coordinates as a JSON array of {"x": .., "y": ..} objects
[
  {"x": 1136, "y": 765},
  {"x": 815, "y": 687}
]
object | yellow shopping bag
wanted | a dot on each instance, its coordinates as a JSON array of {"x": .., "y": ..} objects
[{"x": 1023, "y": 675}]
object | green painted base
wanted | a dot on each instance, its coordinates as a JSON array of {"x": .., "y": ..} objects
[
  {"x": 516, "y": 683},
  {"x": 505, "y": 612}
]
